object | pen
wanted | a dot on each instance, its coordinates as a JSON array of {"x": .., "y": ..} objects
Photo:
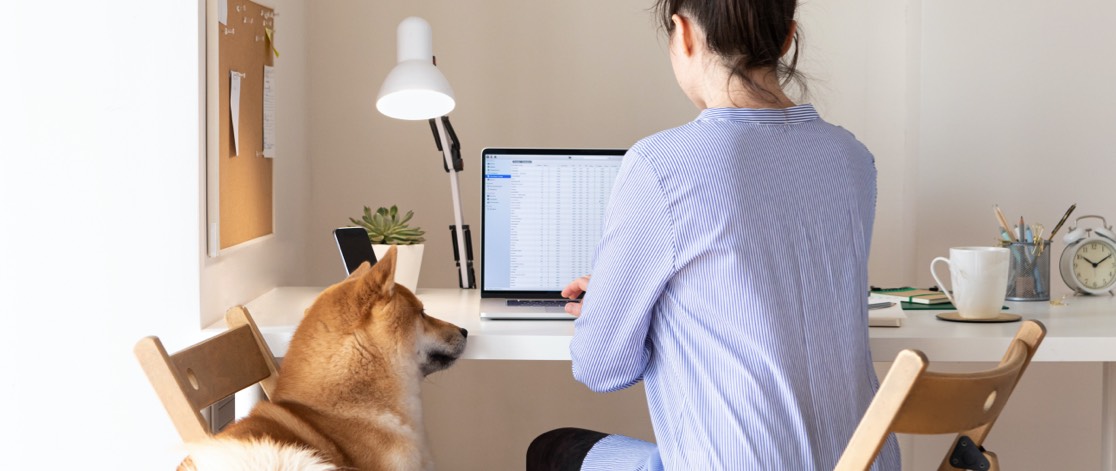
[{"x": 1059, "y": 225}]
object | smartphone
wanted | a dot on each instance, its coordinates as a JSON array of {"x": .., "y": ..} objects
[{"x": 354, "y": 246}]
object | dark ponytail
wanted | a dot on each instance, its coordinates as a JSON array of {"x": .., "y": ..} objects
[{"x": 747, "y": 34}]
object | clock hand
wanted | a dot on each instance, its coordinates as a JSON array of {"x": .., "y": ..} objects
[
  {"x": 1090, "y": 261},
  {"x": 1102, "y": 260}
]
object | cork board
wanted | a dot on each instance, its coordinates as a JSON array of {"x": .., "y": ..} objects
[{"x": 243, "y": 175}]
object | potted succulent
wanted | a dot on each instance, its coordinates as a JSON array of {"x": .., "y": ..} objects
[{"x": 386, "y": 228}]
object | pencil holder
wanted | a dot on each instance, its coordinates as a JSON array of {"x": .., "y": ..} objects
[{"x": 1029, "y": 275}]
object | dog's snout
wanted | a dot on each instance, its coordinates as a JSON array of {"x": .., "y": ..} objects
[{"x": 464, "y": 333}]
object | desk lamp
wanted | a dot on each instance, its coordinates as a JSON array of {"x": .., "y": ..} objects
[{"x": 414, "y": 90}]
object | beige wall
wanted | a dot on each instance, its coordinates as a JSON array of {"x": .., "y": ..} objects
[
  {"x": 525, "y": 74},
  {"x": 1017, "y": 110},
  {"x": 563, "y": 74},
  {"x": 560, "y": 74},
  {"x": 961, "y": 104}
]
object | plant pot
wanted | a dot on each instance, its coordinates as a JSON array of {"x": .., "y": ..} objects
[{"x": 408, "y": 262}]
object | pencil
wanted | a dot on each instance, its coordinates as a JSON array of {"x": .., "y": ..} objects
[
  {"x": 1063, "y": 221},
  {"x": 1003, "y": 222}
]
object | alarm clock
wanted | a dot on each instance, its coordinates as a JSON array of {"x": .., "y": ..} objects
[{"x": 1088, "y": 262}]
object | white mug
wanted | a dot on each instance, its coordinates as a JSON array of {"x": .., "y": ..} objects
[{"x": 980, "y": 280}]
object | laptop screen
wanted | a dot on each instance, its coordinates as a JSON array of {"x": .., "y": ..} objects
[{"x": 541, "y": 218}]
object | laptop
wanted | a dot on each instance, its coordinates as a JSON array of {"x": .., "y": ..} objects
[{"x": 541, "y": 218}]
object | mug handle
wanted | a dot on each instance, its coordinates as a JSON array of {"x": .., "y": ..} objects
[{"x": 935, "y": 275}]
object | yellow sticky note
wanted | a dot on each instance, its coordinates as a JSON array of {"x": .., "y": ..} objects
[{"x": 271, "y": 41}]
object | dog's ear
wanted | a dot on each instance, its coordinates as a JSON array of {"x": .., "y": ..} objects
[
  {"x": 381, "y": 276},
  {"x": 360, "y": 271}
]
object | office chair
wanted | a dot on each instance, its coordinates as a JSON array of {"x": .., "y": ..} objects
[
  {"x": 915, "y": 401},
  {"x": 207, "y": 372}
]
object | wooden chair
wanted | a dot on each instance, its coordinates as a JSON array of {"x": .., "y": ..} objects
[
  {"x": 207, "y": 372},
  {"x": 915, "y": 401}
]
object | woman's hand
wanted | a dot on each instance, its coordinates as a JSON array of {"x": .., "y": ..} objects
[{"x": 572, "y": 291}]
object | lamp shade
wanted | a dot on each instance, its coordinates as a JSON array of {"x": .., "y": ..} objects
[{"x": 415, "y": 89}]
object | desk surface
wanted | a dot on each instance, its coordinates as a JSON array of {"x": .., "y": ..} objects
[{"x": 1083, "y": 330}]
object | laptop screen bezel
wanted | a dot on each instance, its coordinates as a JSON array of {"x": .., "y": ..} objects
[{"x": 486, "y": 293}]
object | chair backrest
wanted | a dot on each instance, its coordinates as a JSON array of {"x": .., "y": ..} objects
[
  {"x": 916, "y": 401},
  {"x": 207, "y": 372}
]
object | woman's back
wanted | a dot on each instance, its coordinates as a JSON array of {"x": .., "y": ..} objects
[
  {"x": 732, "y": 273},
  {"x": 760, "y": 336}
]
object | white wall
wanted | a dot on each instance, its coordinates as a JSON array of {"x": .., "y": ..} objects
[
  {"x": 100, "y": 150},
  {"x": 102, "y": 196}
]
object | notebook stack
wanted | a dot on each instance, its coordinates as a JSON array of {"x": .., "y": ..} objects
[{"x": 911, "y": 295}]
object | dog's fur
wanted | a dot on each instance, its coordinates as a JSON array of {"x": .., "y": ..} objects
[{"x": 348, "y": 391}]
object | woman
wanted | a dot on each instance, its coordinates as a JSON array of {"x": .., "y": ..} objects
[{"x": 732, "y": 275}]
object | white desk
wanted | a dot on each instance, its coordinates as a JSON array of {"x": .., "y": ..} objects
[{"x": 1084, "y": 330}]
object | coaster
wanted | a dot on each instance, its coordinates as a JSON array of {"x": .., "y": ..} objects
[{"x": 953, "y": 316}]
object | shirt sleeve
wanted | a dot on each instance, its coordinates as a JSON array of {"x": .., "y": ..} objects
[{"x": 634, "y": 261}]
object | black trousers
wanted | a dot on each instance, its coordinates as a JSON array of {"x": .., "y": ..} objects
[{"x": 562, "y": 449}]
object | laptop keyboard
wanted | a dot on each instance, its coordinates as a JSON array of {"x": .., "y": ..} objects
[{"x": 538, "y": 302}]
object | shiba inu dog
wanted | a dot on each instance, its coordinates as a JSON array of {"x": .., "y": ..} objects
[{"x": 348, "y": 389}]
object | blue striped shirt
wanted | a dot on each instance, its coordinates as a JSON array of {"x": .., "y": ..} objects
[{"x": 731, "y": 279}]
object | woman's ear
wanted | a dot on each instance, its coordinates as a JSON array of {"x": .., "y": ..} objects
[
  {"x": 683, "y": 40},
  {"x": 790, "y": 38}
]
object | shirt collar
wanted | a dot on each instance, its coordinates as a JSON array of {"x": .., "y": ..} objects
[{"x": 793, "y": 115}]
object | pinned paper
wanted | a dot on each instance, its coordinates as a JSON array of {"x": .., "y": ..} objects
[
  {"x": 269, "y": 112},
  {"x": 234, "y": 108},
  {"x": 223, "y": 11},
  {"x": 271, "y": 41}
]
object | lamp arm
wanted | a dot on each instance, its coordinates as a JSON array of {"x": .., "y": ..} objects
[
  {"x": 462, "y": 251},
  {"x": 454, "y": 143}
]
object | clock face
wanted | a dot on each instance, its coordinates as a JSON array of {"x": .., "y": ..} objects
[{"x": 1094, "y": 265}]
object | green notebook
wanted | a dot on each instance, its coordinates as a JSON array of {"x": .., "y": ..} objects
[
  {"x": 930, "y": 307},
  {"x": 915, "y": 306},
  {"x": 911, "y": 295}
]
